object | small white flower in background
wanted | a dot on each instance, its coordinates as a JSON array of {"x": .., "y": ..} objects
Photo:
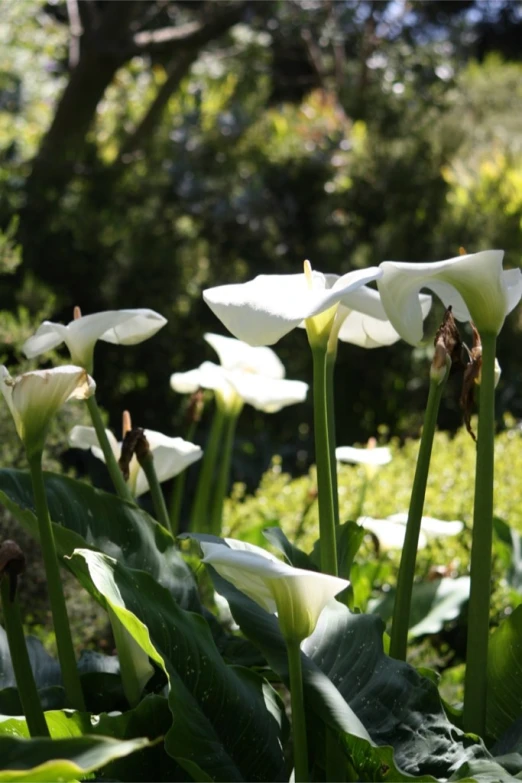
[
  {"x": 266, "y": 308},
  {"x": 369, "y": 332},
  {"x": 475, "y": 285},
  {"x": 35, "y": 397},
  {"x": 171, "y": 455},
  {"x": 392, "y": 530},
  {"x": 121, "y": 327},
  {"x": 297, "y": 596},
  {"x": 371, "y": 455},
  {"x": 254, "y": 375}
]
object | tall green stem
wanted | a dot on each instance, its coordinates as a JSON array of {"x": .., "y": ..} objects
[
  {"x": 21, "y": 664},
  {"x": 331, "y": 357},
  {"x": 71, "y": 679},
  {"x": 323, "y": 463},
  {"x": 223, "y": 475},
  {"x": 178, "y": 487},
  {"x": 158, "y": 498},
  {"x": 475, "y": 691},
  {"x": 110, "y": 460},
  {"x": 298, "y": 712},
  {"x": 401, "y": 611},
  {"x": 199, "y": 518}
]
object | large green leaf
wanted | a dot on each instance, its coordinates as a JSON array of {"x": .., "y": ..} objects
[
  {"x": 87, "y": 517},
  {"x": 151, "y": 719},
  {"x": 34, "y": 760},
  {"x": 505, "y": 675},
  {"x": 396, "y": 705},
  {"x": 227, "y": 721}
]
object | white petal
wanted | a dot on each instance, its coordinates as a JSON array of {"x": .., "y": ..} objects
[
  {"x": 186, "y": 382},
  {"x": 171, "y": 456},
  {"x": 513, "y": 284},
  {"x": 48, "y": 336},
  {"x": 433, "y": 528},
  {"x": 133, "y": 326},
  {"x": 390, "y": 534},
  {"x": 267, "y": 394},
  {"x": 380, "y": 455},
  {"x": 475, "y": 285},
  {"x": 238, "y": 355},
  {"x": 81, "y": 437},
  {"x": 368, "y": 332},
  {"x": 266, "y": 308}
]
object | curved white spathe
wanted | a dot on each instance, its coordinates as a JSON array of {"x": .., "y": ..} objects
[
  {"x": 379, "y": 455},
  {"x": 266, "y": 308},
  {"x": 171, "y": 455},
  {"x": 296, "y": 595},
  {"x": 122, "y": 327},
  {"x": 237, "y": 355},
  {"x": 475, "y": 285},
  {"x": 369, "y": 332},
  {"x": 34, "y": 398}
]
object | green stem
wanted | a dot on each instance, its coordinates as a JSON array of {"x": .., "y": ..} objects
[
  {"x": 178, "y": 488},
  {"x": 158, "y": 498},
  {"x": 110, "y": 460},
  {"x": 323, "y": 464},
  {"x": 475, "y": 685},
  {"x": 331, "y": 356},
  {"x": 199, "y": 518},
  {"x": 401, "y": 611},
  {"x": 298, "y": 712},
  {"x": 21, "y": 665},
  {"x": 71, "y": 679},
  {"x": 223, "y": 475}
]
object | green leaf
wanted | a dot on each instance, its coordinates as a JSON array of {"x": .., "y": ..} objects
[
  {"x": 349, "y": 539},
  {"x": 433, "y": 604},
  {"x": 34, "y": 760},
  {"x": 151, "y": 718},
  {"x": 293, "y": 554},
  {"x": 505, "y": 675},
  {"x": 87, "y": 517},
  {"x": 226, "y": 719}
]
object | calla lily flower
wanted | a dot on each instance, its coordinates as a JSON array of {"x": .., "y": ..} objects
[
  {"x": 120, "y": 327},
  {"x": 35, "y": 397},
  {"x": 297, "y": 596},
  {"x": 171, "y": 455},
  {"x": 266, "y": 308},
  {"x": 369, "y": 332},
  {"x": 254, "y": 375},
  {"x": 373, "y": 456},
  {"x": 392, "y": 530},
  {"x": 476, "y": 287}
]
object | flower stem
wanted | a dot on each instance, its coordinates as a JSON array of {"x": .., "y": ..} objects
[
  {"x": 71, "y": 679},
  {"x": 178, "y": 487},
  {"x": 323, "y": 464},
  {"x": 223, "y": 475},
  {"x": 475, "y": 685},
  {"x": 199, "y": 518},
  {"x": 331, "y": 356},
  {"x": 158, "y": 498},
  {"x": 110, "y": 460},
  {"x": 21, "y": 664},
  {"x": 401, "y": 610},
  {"x": 298, "y": 712}
]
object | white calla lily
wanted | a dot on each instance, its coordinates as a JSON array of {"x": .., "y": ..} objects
[
  {"x": 475, "y": 285},
  {"x": 296, "y": 595},
  {"x": 367, "y": 331},
  {"x": 121, "y": 327},
  {"x": 237, "y": 355},
  {"x": 373, "y": 456},
  {"x": 392, "y": 530},
  {"x": 34, "y": 398},
  {"x": 171, "y": 455},
  {"x": 266, "y": 308}
]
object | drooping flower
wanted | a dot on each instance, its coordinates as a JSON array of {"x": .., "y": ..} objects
[
  {"x": 266, "y": 308},
  {"x": 366, "y": 331},
  {"x": 475, "y": 285},
  {"x": 296, "y": 595},
  {"x": 35, "y": 397},
  {"x": 120, "y": 327},
  {"x": 254, "y": 375},
  {"x": 171, "y": 455}
]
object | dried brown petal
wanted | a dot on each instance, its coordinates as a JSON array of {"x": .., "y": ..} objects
[
  {"x": 12, "y": 564},
  {"x": 134, "y": 443},
  {"x": 471, "y": 375},
  {"x": 448, "y": 341}
]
